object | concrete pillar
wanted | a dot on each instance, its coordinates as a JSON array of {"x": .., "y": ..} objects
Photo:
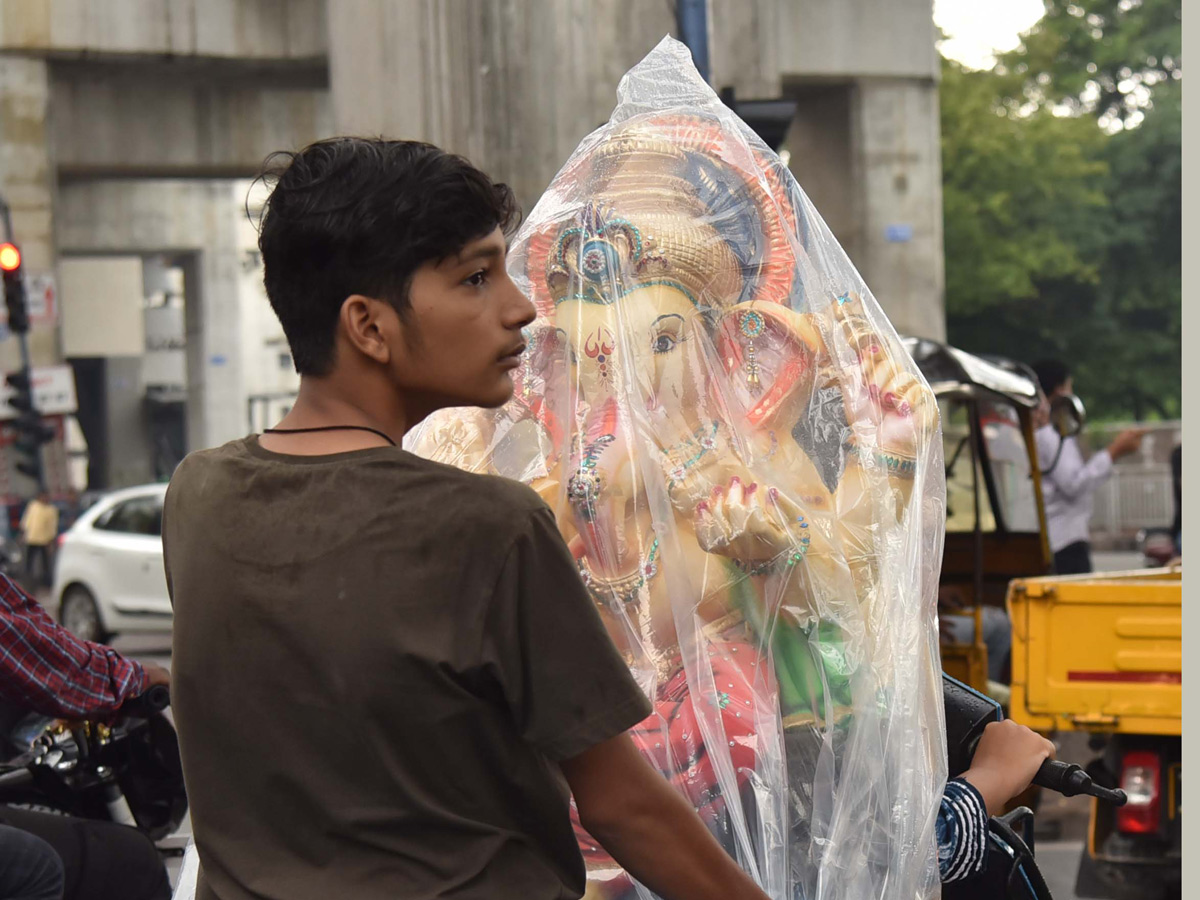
[
  {"x": 27, "y": 183},
  {"x": 897, "y": 170},
  {"x": 196, "y": 221},
  {"x": 745, "y": 47},
  {"x": 128, "y": 451},
  {"x": 197, "y": 427},
  {"x": 513, "y": 84},
  {"x": 819, "y": 147}
]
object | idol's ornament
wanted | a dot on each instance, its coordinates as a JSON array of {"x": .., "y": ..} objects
[{"x": 747, "y": 467}]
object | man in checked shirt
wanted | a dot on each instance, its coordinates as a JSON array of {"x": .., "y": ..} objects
[{"x": 45, "y": 669}]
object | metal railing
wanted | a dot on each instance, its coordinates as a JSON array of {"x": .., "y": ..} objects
[
  {"x": 1138, "y": 495},
  {"x": 1134, "y": 498}
]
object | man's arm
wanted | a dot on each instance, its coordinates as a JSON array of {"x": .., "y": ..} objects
[
  {"x": 571, "y": 695},
  {"x": 1006, "y": 760},
  {"x": 1072, "y": 476},
  {"x": 961, "y": 827},
  {"x": 649, "y": 828},
  {"x": 51, "y": 671}
]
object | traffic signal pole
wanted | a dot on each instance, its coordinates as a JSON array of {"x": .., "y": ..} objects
[
  {"x": 27, "y": 376},
  {"x": 19, "y": 326},
  {"x": 23, "y": 335},
  {"x": 691, "y": 18},
  {"x": 769, "y": 119}
]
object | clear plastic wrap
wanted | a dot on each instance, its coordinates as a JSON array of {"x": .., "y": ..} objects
[{"x": 747, "y": 465}]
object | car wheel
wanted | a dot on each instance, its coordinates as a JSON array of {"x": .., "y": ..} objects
[{"x": 80, "y": 615}]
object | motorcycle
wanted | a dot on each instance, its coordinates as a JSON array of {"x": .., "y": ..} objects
[
  {"x": 1011, "y": 871},
  {"x": 1157, "y": 547},
  {"x": 125, "y": 771}
]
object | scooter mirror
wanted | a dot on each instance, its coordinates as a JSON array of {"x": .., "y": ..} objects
[{"x": 1067, "y": 415}]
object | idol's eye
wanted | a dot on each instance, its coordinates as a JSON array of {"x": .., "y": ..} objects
[
  {"x": 668, "y": 333},
  {"x": 664, "y": 343}
]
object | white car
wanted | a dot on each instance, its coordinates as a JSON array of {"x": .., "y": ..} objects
[{"x": 108, "y": 575}]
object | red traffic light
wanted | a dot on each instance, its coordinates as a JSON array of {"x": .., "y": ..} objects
[{"x": 10, "y": 257}]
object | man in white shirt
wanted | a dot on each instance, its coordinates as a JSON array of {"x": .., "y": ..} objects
[{"x": 1068, "y": 481}]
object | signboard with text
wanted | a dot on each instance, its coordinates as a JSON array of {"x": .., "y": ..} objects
[
  {"x": 41, "y": 296},
  {"x": 53, "y": 392}
]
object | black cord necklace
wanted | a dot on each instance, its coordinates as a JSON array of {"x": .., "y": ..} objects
[{"x": 329, "y": 428}]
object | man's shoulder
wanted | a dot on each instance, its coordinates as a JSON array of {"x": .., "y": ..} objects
[
  {"x": 468, "y": 497},
  {"x": 202, "y": 462},
  {"x": 484, "y": 497}
]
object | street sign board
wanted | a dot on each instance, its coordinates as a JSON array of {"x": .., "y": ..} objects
[
  {"x": 53, "y": 392},
  {"x": 41, "y": 296}
]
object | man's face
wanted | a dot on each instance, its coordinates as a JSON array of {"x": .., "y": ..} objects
[
  {"x": 1041, "y": 415},
  {"x": 463, "y": 334}
]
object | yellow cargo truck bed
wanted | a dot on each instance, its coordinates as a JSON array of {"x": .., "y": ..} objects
[{"x": 1099, "y": 652}]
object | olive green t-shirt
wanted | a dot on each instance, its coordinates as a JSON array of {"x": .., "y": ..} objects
[{"x": 377, "y": 662}]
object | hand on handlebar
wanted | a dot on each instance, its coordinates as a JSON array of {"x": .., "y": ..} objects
[
  {"x": 1007, "y": 758},
  {"x": 156, "y": 674},
  {"x": 155, "y": 698}
]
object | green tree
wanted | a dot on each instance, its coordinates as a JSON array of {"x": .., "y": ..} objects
[
  {"x": 1022, "y": 195},
  {"x": 1133, "y": 365},
  {"x": 1104, "y": 57},
  {"x": 1062, "y": 201}
]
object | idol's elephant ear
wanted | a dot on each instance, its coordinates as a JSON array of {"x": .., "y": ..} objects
[{"x": 769, "y": 353}]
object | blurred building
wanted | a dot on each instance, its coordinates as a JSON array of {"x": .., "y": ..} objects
[{"x": 129, "y": 128}]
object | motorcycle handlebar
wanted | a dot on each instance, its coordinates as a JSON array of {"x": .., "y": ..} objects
[
  {"x": 1069, "y": 780},
  {"x": 969, "y": 712},
  {"x": 147, "y": 704}
]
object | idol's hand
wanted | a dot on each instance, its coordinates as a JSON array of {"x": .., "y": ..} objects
[
  {"x": 748, "y": 522},
  {"x": 461, "y": 442}
]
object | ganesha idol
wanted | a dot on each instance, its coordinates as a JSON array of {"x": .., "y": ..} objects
[{"x": 728, "y": 445}]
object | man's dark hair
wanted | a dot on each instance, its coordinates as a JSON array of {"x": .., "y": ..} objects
[
  {"x": 360, "y": 216},
  {"x": 1051, "y": 374}
]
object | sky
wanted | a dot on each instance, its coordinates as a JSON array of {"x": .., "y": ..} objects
[{"x": 977, "y": 29}]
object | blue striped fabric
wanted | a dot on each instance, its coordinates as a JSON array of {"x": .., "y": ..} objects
[{"x": 961, "y": 832}]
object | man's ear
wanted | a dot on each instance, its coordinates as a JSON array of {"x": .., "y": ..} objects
[{"x": 369, "y": 325}]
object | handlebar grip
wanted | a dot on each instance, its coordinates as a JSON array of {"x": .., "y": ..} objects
[
  {"x": 157, "y": 698},
  {"x": 1069, "y": 780},
  {"x": 154, "y": 700}
]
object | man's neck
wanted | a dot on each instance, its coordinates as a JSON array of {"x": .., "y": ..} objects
[{"x": 326, "y": 403}]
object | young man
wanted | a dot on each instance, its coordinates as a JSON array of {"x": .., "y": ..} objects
[
  {"x": 387, "y": 673},
  {"x": 1068, "y": 483},
  {"x": 383, "y": 667}
]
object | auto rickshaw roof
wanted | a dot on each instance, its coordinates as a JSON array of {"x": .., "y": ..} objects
[{"x": 952, "y": 371}]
